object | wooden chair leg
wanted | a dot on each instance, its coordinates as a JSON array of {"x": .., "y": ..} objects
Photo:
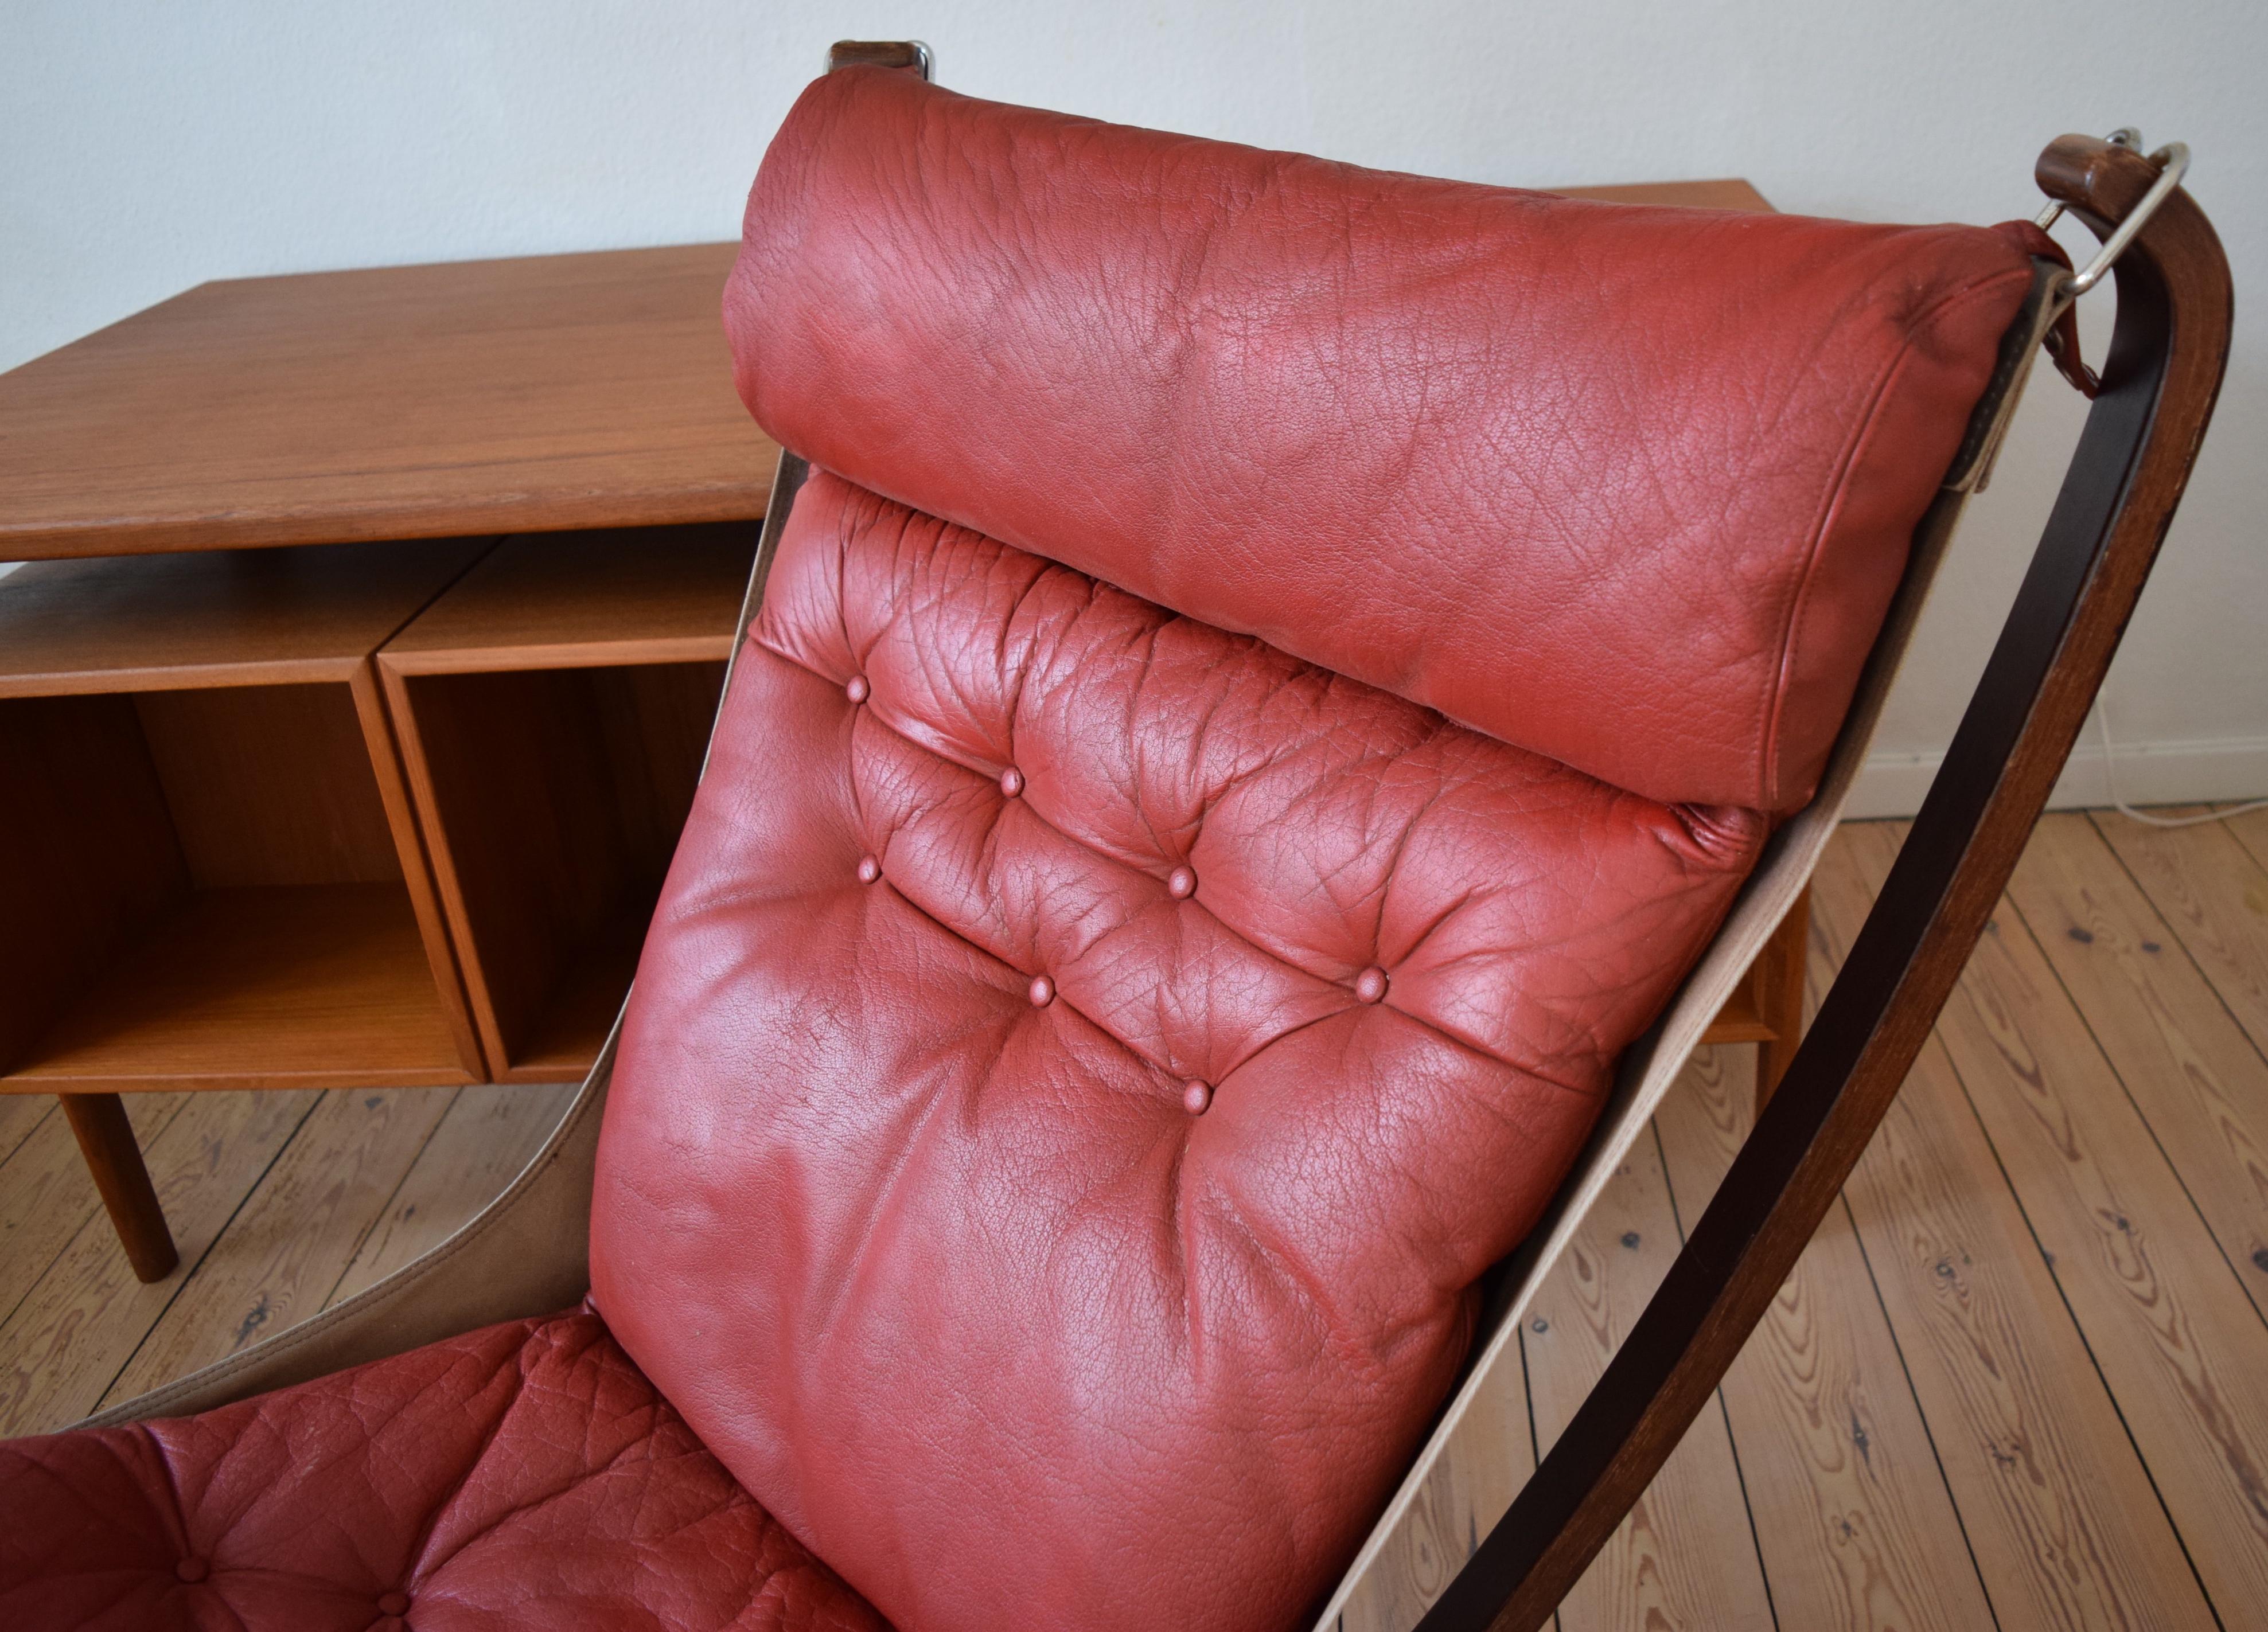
[
  {"x": 105, "y": 1138},
  {"x": 1780, "y": 995}
]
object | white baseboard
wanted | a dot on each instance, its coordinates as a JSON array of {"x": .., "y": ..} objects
[{"x": 2149, "y": 773}]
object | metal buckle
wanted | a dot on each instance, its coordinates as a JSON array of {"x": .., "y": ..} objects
[
  {"x": 907, "y": 53},
  {"x": 2173, "y": 161}
]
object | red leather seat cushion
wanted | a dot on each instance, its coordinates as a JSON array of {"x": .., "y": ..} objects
[
  {"x": 526, "y": 1476},
  {"x": 953, "y": 1280}
]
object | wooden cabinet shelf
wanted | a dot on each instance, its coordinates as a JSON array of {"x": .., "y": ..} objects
[
  {"x": 288, "y": 986},
  {"x": 553, "y": 709},
  {"x": 209, "y": 872},
  {"x": 238, "y": 891}
]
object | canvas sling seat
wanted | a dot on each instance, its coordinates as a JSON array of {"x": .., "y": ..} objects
[{"x": 1276, "y": 699}]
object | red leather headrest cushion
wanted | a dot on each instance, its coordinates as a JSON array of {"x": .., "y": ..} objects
[{"x": 1628, "y": 486}]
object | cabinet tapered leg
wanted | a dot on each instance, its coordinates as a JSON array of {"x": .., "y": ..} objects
[
  {"x": 105, "y": 1138},
  {"x": 1779, "y": 995}
]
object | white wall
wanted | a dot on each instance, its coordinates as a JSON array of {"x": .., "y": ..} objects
[{"x": 148, "y": 144}]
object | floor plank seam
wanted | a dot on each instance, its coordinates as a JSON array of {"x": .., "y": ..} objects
[
  {"x": 354, "y": 1254},
  {"x": 34, "y": 1126},
  {"x": 2087, "y": 1343},
  {"x": 2141, "y": 1112},
  {"x": 95, "y": 1218},
  {"x": 103, "y": 1400},
  {"x": 1716, "y": 1395},
  {"x": 1929, "y": 1434},
  {"x": 2259, "y": 1043}
]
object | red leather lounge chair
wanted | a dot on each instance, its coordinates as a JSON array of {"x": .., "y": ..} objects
[{"x": 1277, "y": 699}]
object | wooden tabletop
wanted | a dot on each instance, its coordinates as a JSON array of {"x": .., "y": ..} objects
[
  {"x": 485, "y": 396},
  {"x": 541, "y": 394}
]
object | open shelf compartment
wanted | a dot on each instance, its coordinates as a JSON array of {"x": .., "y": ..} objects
[
  {"x": 553, "y": 709},
  {"x": 208, "y": 866}
]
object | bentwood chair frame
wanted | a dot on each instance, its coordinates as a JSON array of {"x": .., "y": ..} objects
[
  {"x": 2159, "y": 385},
  {"x": 527, "y": 1254}
]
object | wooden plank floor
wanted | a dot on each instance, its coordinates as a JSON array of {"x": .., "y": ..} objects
[{"x": 2020, "y": 1380}]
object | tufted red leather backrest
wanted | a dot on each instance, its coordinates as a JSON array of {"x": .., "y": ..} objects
[{"x": 1154, "y": 928}]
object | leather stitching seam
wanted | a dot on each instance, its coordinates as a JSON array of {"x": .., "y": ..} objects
[{"x": 1778, "y": 678}]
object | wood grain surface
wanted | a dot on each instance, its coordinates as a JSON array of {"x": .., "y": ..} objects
[
  {"x": 185, "y": 738},
  {"x": 1464, "y": 1495},
  {"x": 1856, "y": 1527},
  {"x": 2208, "y": 884},
  {"x": 2250, "y": 829},
  {"x": 2165, "y": 1315},
  {"x": 19, "y": 1120},
  {"x": 488, "y": 1133},
  {"x": 552, "y": 710},
  {"x": 88, "y": 854},
  {"x": 271, "y": 988},
  {"x": 85, "y": 1314},
  {"x": 2066, "y": 1526},
  {"x": 113, "y": 1154},
  {"x": 1728, "y": 193},
  {"x": 46, "y": 1196},
  {"x": 551, "y": 799},
  {"x": 269, "y": 785},
  {"x": 1686, "y": 1556},
  {"x": 404, "y": 402},
  {"x": 2186, "y": 1066},
  {"x": 295, "y": 1237},
  {"x": 629, "y": 595},
  {"x": 229, "y": 618}
]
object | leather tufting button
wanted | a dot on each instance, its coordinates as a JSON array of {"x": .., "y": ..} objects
[
  {"x": 1182, "y": 883},
  {"x": 393, "y": 1604},
  {"x": 1011, "y": 781},
  {"x": 869, "y": 870},
  {"x": 1195, "y": 1096},
  {"x": 858, "y": 690},
  {"x": 1370, "y": 985},
  {"x": 1044, "y": 991},
  {"x": 192, "y": 1570}
]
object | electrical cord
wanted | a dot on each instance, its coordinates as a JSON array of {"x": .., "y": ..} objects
[{"x": 2111, "y": 781}]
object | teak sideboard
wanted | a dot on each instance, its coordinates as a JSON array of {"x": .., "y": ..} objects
[{"x": 356, "y": 689}]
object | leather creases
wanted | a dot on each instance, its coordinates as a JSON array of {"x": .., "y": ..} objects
[{"x": 1141, "y": 1040}]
